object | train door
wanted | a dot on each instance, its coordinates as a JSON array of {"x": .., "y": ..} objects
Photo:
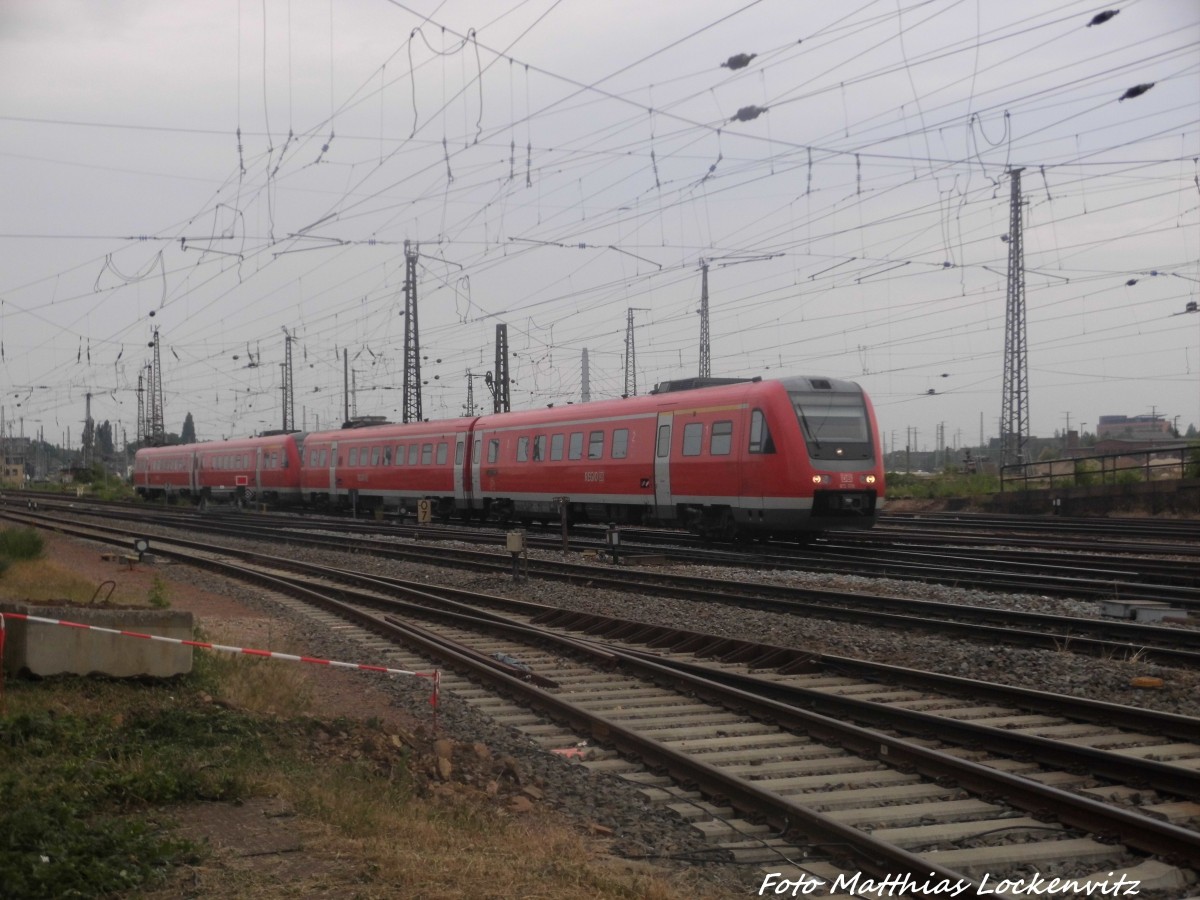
[
  {"x": 194, "y": 475},
  {"x": 477, "y": 466},
  {"x": 333, "y": 479},
  {"x": 662, "y": 467},
  {"x": 462, "y": 472},
  {"x": 258, "y": 464},
  {"x": 759, "y": 463}
]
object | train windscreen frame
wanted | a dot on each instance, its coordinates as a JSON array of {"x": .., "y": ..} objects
[{"x": 834, "y": 424}]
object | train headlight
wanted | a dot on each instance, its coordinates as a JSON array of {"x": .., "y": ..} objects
[
  {"x": 816, "y": 479},
  {"x": 821, "y": 479},
  {"x": 870, "y": 479}
]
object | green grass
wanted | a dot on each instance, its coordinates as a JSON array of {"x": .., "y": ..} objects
[
  {"x": 90, "y": 764},
  {"x": 936, "y": 487},
  {"x": 96, "y": 773}
]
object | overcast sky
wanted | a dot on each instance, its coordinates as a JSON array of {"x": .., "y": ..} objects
[{"x": 560, "y": 162}]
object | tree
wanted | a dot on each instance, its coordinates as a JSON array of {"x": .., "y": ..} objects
[
  {"x": 188, "y": 434},
  {"x": 104, "y": 439}
]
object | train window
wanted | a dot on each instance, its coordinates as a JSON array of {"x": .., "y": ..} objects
[
  {"x": 722, "y": 438},
  {"x": 353, "y": 460},
  {"x": 478, "y": 457},
  {"x": 693, "y": 438},
  {"x": 324, "y": 458},
  {"x": 414, "y": 452},
  {"x": 426, "y": 454},
  {"x": 575, "y": 451},
  {"x": 398, "y": 458},
  {"x": 493, "y": 450},
  {"x": 556, "y": 447},
  {"x": 760, "y": 434},
  {"x": 441, "y": 453},
  {"x": 458, "y": 452},
  {"x": 374, "y": 456},
  {"x": 664, "y": 441},
  {"x": 539, "y": 448},
  {"x": 387, "y": 455},
  {"x": 620, "y": 445},
  {"x": 596, "y": 445},
  {"x": 522, "y": 449},
  {"x": 838, "y": 418}
]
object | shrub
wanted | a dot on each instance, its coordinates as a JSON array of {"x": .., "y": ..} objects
[{"x": 21, "y": 543}]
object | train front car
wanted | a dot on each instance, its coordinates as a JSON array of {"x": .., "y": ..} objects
[{"x": 827, "y": 452}]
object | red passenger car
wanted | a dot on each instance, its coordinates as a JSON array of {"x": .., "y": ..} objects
[
  {"x": 388, "y": 466},
  {"x": 264, "y": 469},
  {"x": 730, "y": 458}
]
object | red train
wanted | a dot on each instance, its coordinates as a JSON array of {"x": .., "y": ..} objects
[{"x": 780, "y": 456}]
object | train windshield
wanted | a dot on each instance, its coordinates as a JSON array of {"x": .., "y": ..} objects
[{"x": 834, "y": 425}]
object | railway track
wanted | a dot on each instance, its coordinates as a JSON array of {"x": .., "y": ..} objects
[
  {"x": 755, "y": 744},
  {"x": 1124, "y": 528},
  {"x": 1100, "y": 637},
  {"x": 1079, "y": 568}
]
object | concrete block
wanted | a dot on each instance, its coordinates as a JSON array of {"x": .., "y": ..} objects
[{"x": 43, "y": 649}]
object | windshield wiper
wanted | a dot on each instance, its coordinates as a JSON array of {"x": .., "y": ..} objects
[{"x": 808, "y": 428}]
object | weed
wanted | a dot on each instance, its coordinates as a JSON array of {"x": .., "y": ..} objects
[{"x": 157, "y": 596}]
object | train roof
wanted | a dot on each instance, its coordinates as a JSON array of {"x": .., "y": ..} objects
[{"x": 269, "y": 439}]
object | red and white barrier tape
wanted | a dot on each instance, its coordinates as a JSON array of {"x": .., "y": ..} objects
[{"x": 435, "y": 675}]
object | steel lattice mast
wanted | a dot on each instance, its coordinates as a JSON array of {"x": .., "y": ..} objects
[
  {"x": 705, "y": 358},
  {"x": 412, "y": 339},
  {"x": 1014, "y": 414},
  {"x": 141, "y": 412},
  {"x": 289, "y": 400},
  {"x": 631, "y": 353},
  {"x": 89, "y": 434},
  {"x": 502, "y": 400},
  {"x": 156, "y": 432}
]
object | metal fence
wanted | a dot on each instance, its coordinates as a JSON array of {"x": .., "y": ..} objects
[{"x": 1130, "y": 467}]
